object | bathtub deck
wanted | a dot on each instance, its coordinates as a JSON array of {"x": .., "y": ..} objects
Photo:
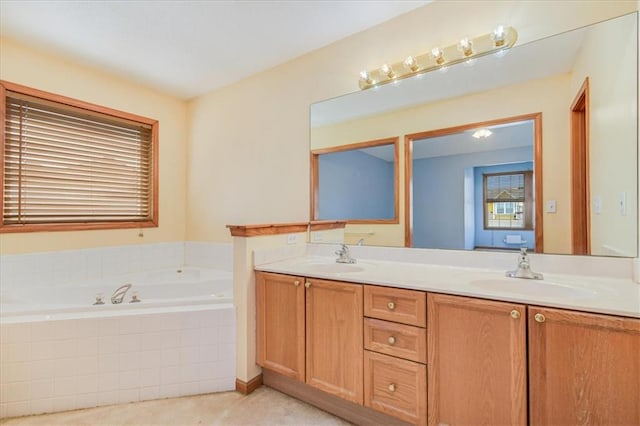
[{"x": 265, "y": 406}]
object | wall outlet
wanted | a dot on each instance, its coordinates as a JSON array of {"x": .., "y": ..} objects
[
  {"x": 622, "y": 203},
  {"x": 292, "y": 238}
]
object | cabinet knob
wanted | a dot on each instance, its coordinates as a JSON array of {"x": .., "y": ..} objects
[
  {"x": 391, "y": 306},
  {"x": 515, "y": 314},
  {"x": 307, "y": 284},
  {"x": 296, "y": 283},
  {"x": 391, "y": 340},
  {"x": 392, "y": 387},
  {"x": 539, "y": 318}
]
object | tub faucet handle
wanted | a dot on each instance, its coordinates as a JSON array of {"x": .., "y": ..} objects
[
  {"x": 99, "y": 299},
  {"x": 118, "y": 295}
]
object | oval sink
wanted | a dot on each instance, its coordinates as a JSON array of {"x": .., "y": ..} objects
[{"x": 534, "y": 288}]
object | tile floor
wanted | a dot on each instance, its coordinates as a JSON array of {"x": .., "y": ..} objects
[{"x": 265, "y": 406}]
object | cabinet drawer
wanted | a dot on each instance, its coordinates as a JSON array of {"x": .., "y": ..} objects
[
  {"x": 395, "y": 387},
  {"x": 404, "y": 341},
  {"x": 393, "y": 304}
]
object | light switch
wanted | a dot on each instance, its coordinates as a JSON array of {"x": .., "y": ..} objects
[
  {"x": 551, "y": 206},
  {"x": 597, "y": 204},
  {"x": 317, "y": 236}
]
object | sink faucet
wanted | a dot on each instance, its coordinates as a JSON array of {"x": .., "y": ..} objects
[
  {"x": 344, "y": 256},
  {"x": 524, "y": 268},
  {"x": 118, "y": 295}
]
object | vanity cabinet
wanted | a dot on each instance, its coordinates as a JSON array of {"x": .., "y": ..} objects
[
  {"x": 583, "y": 368},
  {"x": 280, "y": 321},
  {"x": 477, "y": 361},
  {"x": 334, "y": 338},
  {"x": 397, "y": 355}
]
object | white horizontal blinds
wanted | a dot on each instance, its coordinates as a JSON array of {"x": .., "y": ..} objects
[
  {"x": 505, "y": 187},
  {"x": 65, "y": 164}
]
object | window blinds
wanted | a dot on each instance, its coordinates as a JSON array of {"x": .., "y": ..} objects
[{"x": 64, "y": 164}]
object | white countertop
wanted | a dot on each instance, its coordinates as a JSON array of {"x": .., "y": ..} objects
[{"x": 584, "y": 293}]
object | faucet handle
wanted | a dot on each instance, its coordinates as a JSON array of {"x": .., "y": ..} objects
[{"x": 523, "y": 250}]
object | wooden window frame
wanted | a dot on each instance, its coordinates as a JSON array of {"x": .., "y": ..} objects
[
  {"x": 528, "y": 201},
  {"x": 92, "y": 108}
]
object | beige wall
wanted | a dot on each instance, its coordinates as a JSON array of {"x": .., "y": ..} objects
[
  {"x": 609, "y": 59},
  {"x": 550, "y": 96},
  {"x": 248, "y": 155},
  {"x": 40, "y": 70}
]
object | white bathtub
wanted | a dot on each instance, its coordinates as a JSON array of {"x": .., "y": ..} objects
[
  {"x": 59, "y": 352},
  {"x": 170, "y": 287}
]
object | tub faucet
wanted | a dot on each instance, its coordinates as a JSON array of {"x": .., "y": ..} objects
[
  {"x": 118, "y": 295},
  {"x": 344, "y": 256},
  {"x": 524, "y": 268}
]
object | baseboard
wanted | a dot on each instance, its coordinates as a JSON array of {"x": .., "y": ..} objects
[
  {"x": 246, "y": 388},
  {"x": 339, "y": 407}
]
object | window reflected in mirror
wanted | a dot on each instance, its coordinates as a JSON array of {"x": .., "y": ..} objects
[{"x": 356, "y": 182}]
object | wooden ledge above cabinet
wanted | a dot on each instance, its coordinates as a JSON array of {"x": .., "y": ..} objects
[
  {"x": 266, "y": 229},
  {"x": 323, "y": 225}
]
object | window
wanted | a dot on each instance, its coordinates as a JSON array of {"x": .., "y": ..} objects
[
  {"x": 70, "y": 165},
  {"x": 508, "y": 200}
]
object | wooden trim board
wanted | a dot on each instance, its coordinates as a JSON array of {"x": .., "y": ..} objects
[
  {"x": 266, "y": 229},
  {"x": 246, "y": 388},
  {"x": 346, "y": 410}
]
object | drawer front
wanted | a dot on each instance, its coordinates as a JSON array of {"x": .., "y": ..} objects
[
  {"x": 403, "y": 341},
  {"x": 395, "y": 387},
  {"x": 398, "y": 305}
]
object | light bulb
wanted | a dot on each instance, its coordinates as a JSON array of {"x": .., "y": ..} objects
[
  {"x": 438, "y": 55},
  {"x": 387, "y": 70},
  {"x": 411, "y": 63},
  {"x": 466, "y": 46},
  {"x": 364, "y": 76},
  {"x": 499, "y": 36}
]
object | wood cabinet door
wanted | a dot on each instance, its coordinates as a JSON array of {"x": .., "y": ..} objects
[
  {"x": 334, "y": 338},
  {"x": 280, "y": 323},
  {"x": 476, "y": 361},
  {"x": 584, "y": 369}
]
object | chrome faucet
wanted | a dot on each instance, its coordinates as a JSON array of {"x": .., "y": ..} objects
[
  {"x": 524, "y": 268},
  {"x": 344, "y": 256},
  {"x": 118, "y": 295}
]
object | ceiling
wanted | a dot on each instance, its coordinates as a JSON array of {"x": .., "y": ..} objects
[{"x": 190, "y": 47}]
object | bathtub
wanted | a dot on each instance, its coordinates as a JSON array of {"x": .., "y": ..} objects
[
  {"x": 60, "y": 352},
  {"x": 168, "y": 287}
]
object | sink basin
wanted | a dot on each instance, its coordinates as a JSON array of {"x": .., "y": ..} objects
[
  {"x": 335, "y": 268},
  {"x": 534, "y": 288}
]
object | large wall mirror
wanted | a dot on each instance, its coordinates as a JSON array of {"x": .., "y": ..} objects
[{"x": 558, "y": 172}]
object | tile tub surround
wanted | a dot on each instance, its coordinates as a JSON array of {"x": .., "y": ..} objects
[
  {"x": 63, "y": 362},
  {"x": 63, "y": 267},
  {"x": 58, "y": 365},
  {"x": 602, "y": 286}
]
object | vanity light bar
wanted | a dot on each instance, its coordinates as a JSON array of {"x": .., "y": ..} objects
[{"x": 501, "y": 38}]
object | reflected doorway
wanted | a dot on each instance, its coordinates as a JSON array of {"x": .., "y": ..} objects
[
  {"x": 476, "y": 186},
  {"x": 580, "y": 203}
]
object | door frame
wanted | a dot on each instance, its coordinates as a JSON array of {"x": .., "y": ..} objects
[{"x": 580, "y": 200}]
